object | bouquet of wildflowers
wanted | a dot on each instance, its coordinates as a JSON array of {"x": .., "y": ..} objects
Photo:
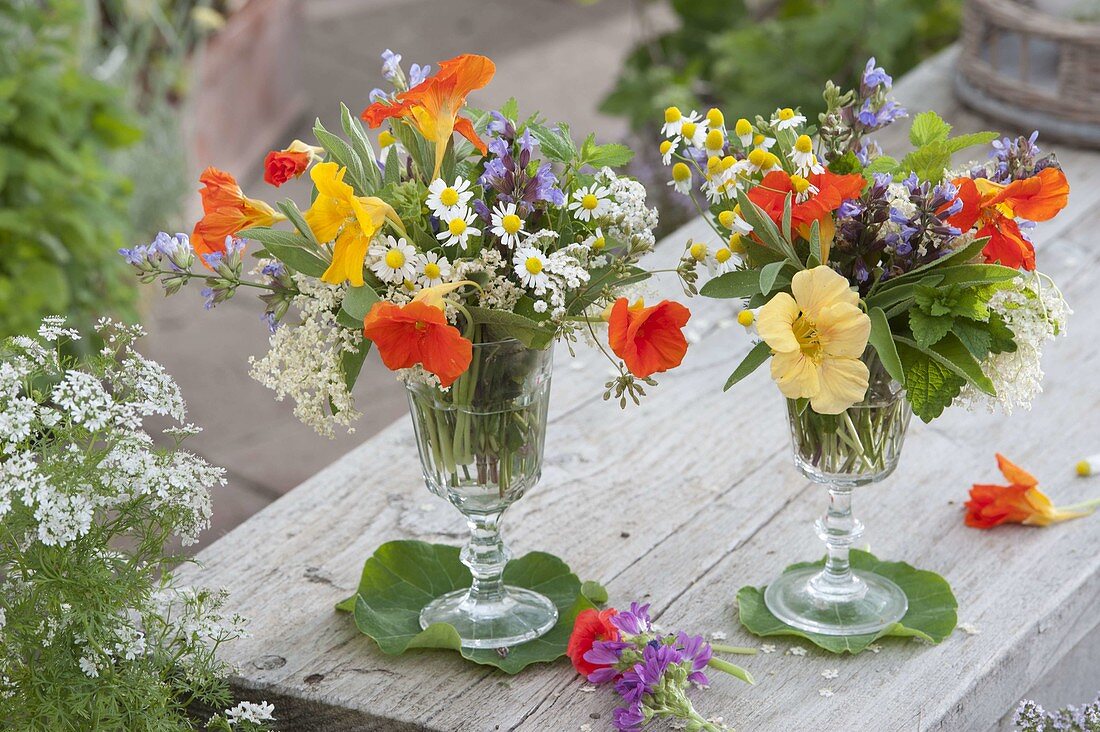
[
  {"x": 436, "y": 242},
  {"x": 865, "y": 273},
  {"x": 650, "y": 671},
  {"x": 94, "y": 632}
]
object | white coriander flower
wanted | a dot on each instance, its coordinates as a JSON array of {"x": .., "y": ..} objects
[
  {"x": 89, "y": 667},
  {"x": 507, "y": 224},
  {"x": 250, "y": 712},
  {"x": 434, "y": 270},
  {"x": 590, "y": 202},
  {"x": 457, "y": 229},
  {"x": 786, "y": 119},
  {"x": 448, "y": 200},
  {"x": 530, "y": 266},
  {"x": 395, "y": 260}
]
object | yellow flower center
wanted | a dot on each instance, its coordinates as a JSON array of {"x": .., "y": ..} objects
[
  {"x": 745, "y": 318},
  {"x": 533, "y": 265},
  {"x": 758, "y": 140},
  {"x": 714, "y": 164},
  {"x": 786, "y": 113},
  {"x": 409, "y": 285},
  {"x": 511, "y": 223},
  {"x": 698, "y": 251},
  {"x": 431, "y": 271},
  {"x": 728, "y": 162},
  {"x": 395, "y": 259},
  {"x": 386, "y": 138},
  {"x": 681, "y": 172},
  {"x": 688, "y": 129},
  {"x": 723, "y": 255},
  {"x": 599, "y": 243},
  {"x": 456, "y": 226},
  {"x": 666, "y": 146},
  {"x": 799, "y": 184},
  {"x": 803, "y": 144},
  {"x": 589, "y": 201},
  {"x": 743, "y": 127},
  {"x": 448, "y": 197},
  {"x": 735, "y": 244},
  {"x": 758, "y": 157},
  {"x": 770, "y": 161},
  {"x": 726, "y": 219},
  {"x": 809, "y": 342},
  {"x": 673, "y": 114},
  {"x": 715, "y": 140},
  {"x": 715, "y": 117}
]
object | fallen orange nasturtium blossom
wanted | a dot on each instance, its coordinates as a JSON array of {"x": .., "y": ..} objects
[{"x": 1020, "y": 502}]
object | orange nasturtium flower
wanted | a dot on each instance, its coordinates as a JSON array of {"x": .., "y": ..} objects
[
  {"x": 418, "y": 333},
  {"x": 338, "y": 215},
  {"x": 994, "y": 207},
  {"x": 432, "y": 105},
  {"x": 1021, "y": 502},
  {"x": 290, "y": 162},
  {"x": 820, "y": 194},
  {"x": 648, "y": 340},
  {"x": 226, "y": 211}
]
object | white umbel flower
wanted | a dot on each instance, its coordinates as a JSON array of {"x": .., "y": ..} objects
[
  {"x": 507, "y": 225},
  {"x": 530, "y": 266},
  {"x": 457, "y": 229},
  {"x": 250, "y": 712},
  {"x": 395, "y": 260},
  {"x": 448, "y": 200},
  {"x": 434, "y": 270},
  {"x": 590, "y": 202}
]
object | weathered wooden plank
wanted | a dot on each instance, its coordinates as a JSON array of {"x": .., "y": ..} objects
[{"x": 682, "y": 502}]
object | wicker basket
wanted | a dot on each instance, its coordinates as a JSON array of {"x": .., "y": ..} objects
[{"x": 1031, "y": 70}]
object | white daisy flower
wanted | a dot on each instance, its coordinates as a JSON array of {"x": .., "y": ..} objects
[
  {"x": 786, "y": 118},
  {"x": 434, "y": 269},
  {"x": 743, "y": 130},
  {"x": 762, "y": 142},
  {"x": 668, "y": 149},
  {"x": 802, "y": 154},
  {"x": 457, "y": 230},
  {"x": 596, "y": 241},
  {"x": 448, "y": 200},
  {"x": 695, "y": 132},
  {"x": 530, "y": 264},
  {"x": 681, "y": 178},
  {"x": 590, "y": 202},
  {"x": 723, "y": 261},
  {"x": 803, "y": 188},
  {"x": 674, "y": 121},
  {"x": 395, "y": 260},
  {"x": 507, "y": 224}
]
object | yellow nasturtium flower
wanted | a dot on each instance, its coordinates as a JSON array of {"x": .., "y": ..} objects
[
  {"x": 817, "y": 337},
  {"x": 350, "y": 221}
]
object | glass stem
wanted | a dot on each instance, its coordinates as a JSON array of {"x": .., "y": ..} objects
[
  {"x": 485, "y": 555},
  {"x": 839, "y": 530}
]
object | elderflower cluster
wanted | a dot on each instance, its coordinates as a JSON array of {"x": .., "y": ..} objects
[
  {"x": 305, "y": 362},
  {"x": 628, "y": 218},
  {"x": 1035, "y": 311}
]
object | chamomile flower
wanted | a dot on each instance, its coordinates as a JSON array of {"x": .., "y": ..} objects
[
  {"x": 457, "y": 230},
  {"x": 434, "y": 270},
  {"x": 714, "y": 142},
  {"x": 694, "y": 130},
  {"x": 445, "y": 200},
  {"x": 732, "y": 220},
  {"x": 596, "y": 240},
  {"x": 681, "y": 178},
  {"x": 786, "y": 118},
  {"x": 723, "y": 260},
  {"x": 590, "y": 202},
  {"x": 668, "y": 149},
  {"x": 388, "y": 144},
  {"x": 762, "y": 161},
  {"x": 395, "y": 260},
  {"x": 674, "y": 121},
  {"x": 698, "y": 251},
  {"x": 507, "y": 224},
  {"x": 802, "y": 155},
  {"x": 716, "y": 119},
  {"x": 762, "y": 142},
  {"x": 803, "y": 188},
  {"x": 743, "y": 130},
  {"x": 530, "y": 265}
]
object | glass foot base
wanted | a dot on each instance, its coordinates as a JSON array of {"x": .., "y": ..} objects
[
  {"x": 519, "y": 616},
  {"x": 867, "y": 606}
]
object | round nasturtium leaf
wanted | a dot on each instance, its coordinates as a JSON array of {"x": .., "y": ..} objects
[
  {"x": 401, "y": 577},
  {"x": 931, "y": 615}
]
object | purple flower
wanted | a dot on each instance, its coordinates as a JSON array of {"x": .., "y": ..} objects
[
  {"x": 418, "y": 73},
  {"x": 628, "y": 719},
  {"x": 210, "y": 298},
  {"x": 546, "y": 186},
  {"x": 273, "y": 270},
  {"x": 500, "y": 125},
  {"x": 698, "y": 652},
  {"x": 849, "y": 209},
  {"x": 137, "y": 256},
  {"x": 391, "y": 65},
  {"x": 269, "y": 319},
  {"x": 379, "y": 95},
  {"x": 875, "y": 76},
  {"x": 633, "y": 621},
  {"x": 606, "y": 653}
]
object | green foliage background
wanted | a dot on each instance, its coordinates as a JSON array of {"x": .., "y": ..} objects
[
  {"x": 750, "y": 57},
  {"x": 63, "y": 212}
]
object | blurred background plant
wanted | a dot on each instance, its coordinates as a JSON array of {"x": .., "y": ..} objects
[
  {"x": 90, "y": 151},
  {"x": 749, "y": 57}
]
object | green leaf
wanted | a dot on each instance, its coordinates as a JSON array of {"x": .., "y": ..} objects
[
  {"x": 290, "y": 210},
  {"x": 929, "y": 329},
  {"x": 928, "y": 162},
  {"x": 881, "y": 164},
  {"x": 928, "y": 127},
  {"x": 930, "y": 386},
  {"x": 290, "y": 249},
  {"x": 613, "y": 155},
  {"x": 594, "y": 591},
  {"x": 556, "y": 144},
  {"x": 817, "y": 256},
  {"x": 351, "y": 362},
  {"x": 971, "y": 139},
  {"x": 931, "y": 616},
  {"x": 341, "y": 153},
  {"x": 403, "y": 576},
  {"x": 882, "y": 339},
  {"x": 739, "y": 283},
  {"x": 765, "y": 228},
  {"x": 360, "y": 144},
  {"x": 768, "y": 275},
  {"x": 949, "y": 351},
  {"x": 610, "y": 275},
  {"x": 505, "y": 324},
  {"x": 358, "y": 301},
  {"x": 975, "y": 336},
  {"x": 510, "y": 109},
  {"x": 760, "y": 353}
]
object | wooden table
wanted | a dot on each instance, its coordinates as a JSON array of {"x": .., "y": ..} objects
[{"x": 682, "y": 502}]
